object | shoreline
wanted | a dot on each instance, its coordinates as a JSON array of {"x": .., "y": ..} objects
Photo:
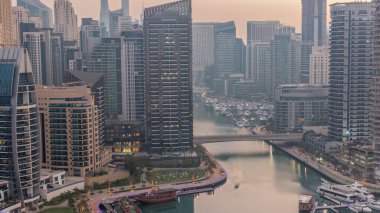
[
  {"x": 217, "y": 179},
  {"x": 321, "y": 169}
]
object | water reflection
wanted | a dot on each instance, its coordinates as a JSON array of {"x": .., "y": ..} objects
[{"x": 269, "y": 181}]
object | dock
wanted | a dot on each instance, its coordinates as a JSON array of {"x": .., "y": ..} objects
[
  {"x": 332, "y": 207},
  {"x": 195, "y": 191}
]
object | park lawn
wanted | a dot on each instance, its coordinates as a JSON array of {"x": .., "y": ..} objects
[
  {"x": 163, "y": 177},
  {"x": 58, "y": 210}
]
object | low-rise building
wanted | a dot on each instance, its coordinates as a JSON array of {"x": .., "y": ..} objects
[
  {"x": 124, "y": 138},
  {"x": 359, "y": 157},
  {"x": 299, "y": 105},
  {"x": 320, "y": 144}
]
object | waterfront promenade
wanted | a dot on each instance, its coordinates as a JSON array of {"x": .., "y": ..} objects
[
  {"x": 213, "y": 180},
  {"x": 325, "y": 170}
]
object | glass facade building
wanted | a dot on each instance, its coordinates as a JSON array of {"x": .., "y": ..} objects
[{"x": 19, "y": 127}]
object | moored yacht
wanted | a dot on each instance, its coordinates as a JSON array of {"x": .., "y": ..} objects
[
  {"x": 363, "y": 193},
  {"x": 359, "y": 208},
  {"x": 375, "y": 205},
  {"x": 341, "y": 193}
]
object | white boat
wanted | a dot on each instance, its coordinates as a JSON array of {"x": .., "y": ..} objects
[
  {"x": 363, "y": 193},
  {"x": 359, "y": 208},
  {"x": 341, "y": 193},
  {"x": 375, "y": 205}
]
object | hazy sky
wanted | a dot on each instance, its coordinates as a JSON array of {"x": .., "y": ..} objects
[{"x": 286, "y": 11}]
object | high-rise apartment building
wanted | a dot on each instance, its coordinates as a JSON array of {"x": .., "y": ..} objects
[
  {"x": 262, "y": 31},
  {"x": 19, "y": 15},
  {"x": 285, "y": 55},
  {"x": 106, "y": 59},
  {"x": 375, "y": 91},
  {"x": 133, "y": 76},
  {"x": 6, "y": 29},
  {"x": 89, "y": 37},
  {"x": 104, "y": 18},
  {"x": 225, "y": 44},
  {"x": 168, "y": 67},
  {"x": 38, "y": 44},
  {"x": 351, "y": 69},
  {"x": 319, "y": 65},
  {"x": 69, "y": 127},
  {"x": 313, "y": 31},
  {"x": 66, "y": 21},
  {"x": 125, "y": 7},
  {"x": 203, "y": 50},
  {"x": 57, "y": 59},
  {"x": 19, "y": 127},
  {"x": 259, "y": 61},
  {"x": 38, "y": 9}
]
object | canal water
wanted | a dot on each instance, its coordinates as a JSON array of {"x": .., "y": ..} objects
[{"x": 269, "y": 181}]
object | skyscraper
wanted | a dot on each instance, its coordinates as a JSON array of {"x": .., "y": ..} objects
[
  {"x": 106, "y": 59},
  {"x": 375, "y": 94},
  {"x": 258, "y": 57},
  {"x": 19, "y": 127},
  {"x": 89, "y": 38},
  {"x": 168, "y": 66},
  {"x": 125, "y": 7},
  {"x": 203, "y": 50},
  {"x": 262, "y": 31},
  {"x": 69, "y": 144},
  {"x": 19, "y": 15},
  {"x": 38, "y": 9},
  {"x": 57, "y": 59},
  {"x": 225, "y": 44},
  {"x": 319, "y": 66},
  {"x": 285, "y": 55},
  {"x": 38, "y": 44},
  {"x": 6, "y": 30},
  {"x": 105, "y": 18},
  {"x": 133, "y": 76},
  {"x": 66, "y": 21},
  {"x": 313, "y": 31},
  {"x": 351, "y": 69}
]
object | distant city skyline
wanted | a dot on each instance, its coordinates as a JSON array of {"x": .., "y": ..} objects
[{"x": 240, "y": 11}]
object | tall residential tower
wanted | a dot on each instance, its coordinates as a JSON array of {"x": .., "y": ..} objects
[
  {"x": 313, "y": 31},
  {"x": 351, "y": 69},
  {"x": 168, "y": 67}
]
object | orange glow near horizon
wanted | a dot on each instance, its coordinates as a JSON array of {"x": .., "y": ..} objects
[{"x": 241, "y": 11}]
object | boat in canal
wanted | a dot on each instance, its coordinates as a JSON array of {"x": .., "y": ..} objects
[
  {"x": 336, "y": 192},
  {"x": 158, "y": 196},
  {"x": 359, "y": 208},
  {"x": 305, "y": 203},
  {"x": 375, "y": 205}
]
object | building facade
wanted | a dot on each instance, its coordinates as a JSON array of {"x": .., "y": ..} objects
[
  {"x": 319, "y": 66},
  {"x": 106, "y": 59},
  {"x": 6, "y": 29},
  {"x": 375, "y": 94},
  {"x": 297, "y": 106},
  {"x": 65, "y": 20},
  {"x": 351, "y": 69},
  {"x": 225, "y": 44},
  {"x": 262, "y": 31},
  {"x": 38, "y": 44},
  {"x": 38, "y": 9},
  {"x": 313, "y": 31},
  {"x": 168, "y": 67},
  {"x": 285, "y": 56},
  {"x": 133, "y": 76},
  {"x": 203, "y": 50},
  {"x": 89, "y": 37},
  {"x": 69, "y": 127},
  {"x": 19, "y": 15},
  {"x": 19, "y": 127}
]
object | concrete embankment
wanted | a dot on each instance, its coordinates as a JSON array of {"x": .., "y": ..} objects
[{"x": 334, "y": 176}]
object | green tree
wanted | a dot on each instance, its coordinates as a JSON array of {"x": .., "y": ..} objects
[{"x": 130, "y": 164}]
